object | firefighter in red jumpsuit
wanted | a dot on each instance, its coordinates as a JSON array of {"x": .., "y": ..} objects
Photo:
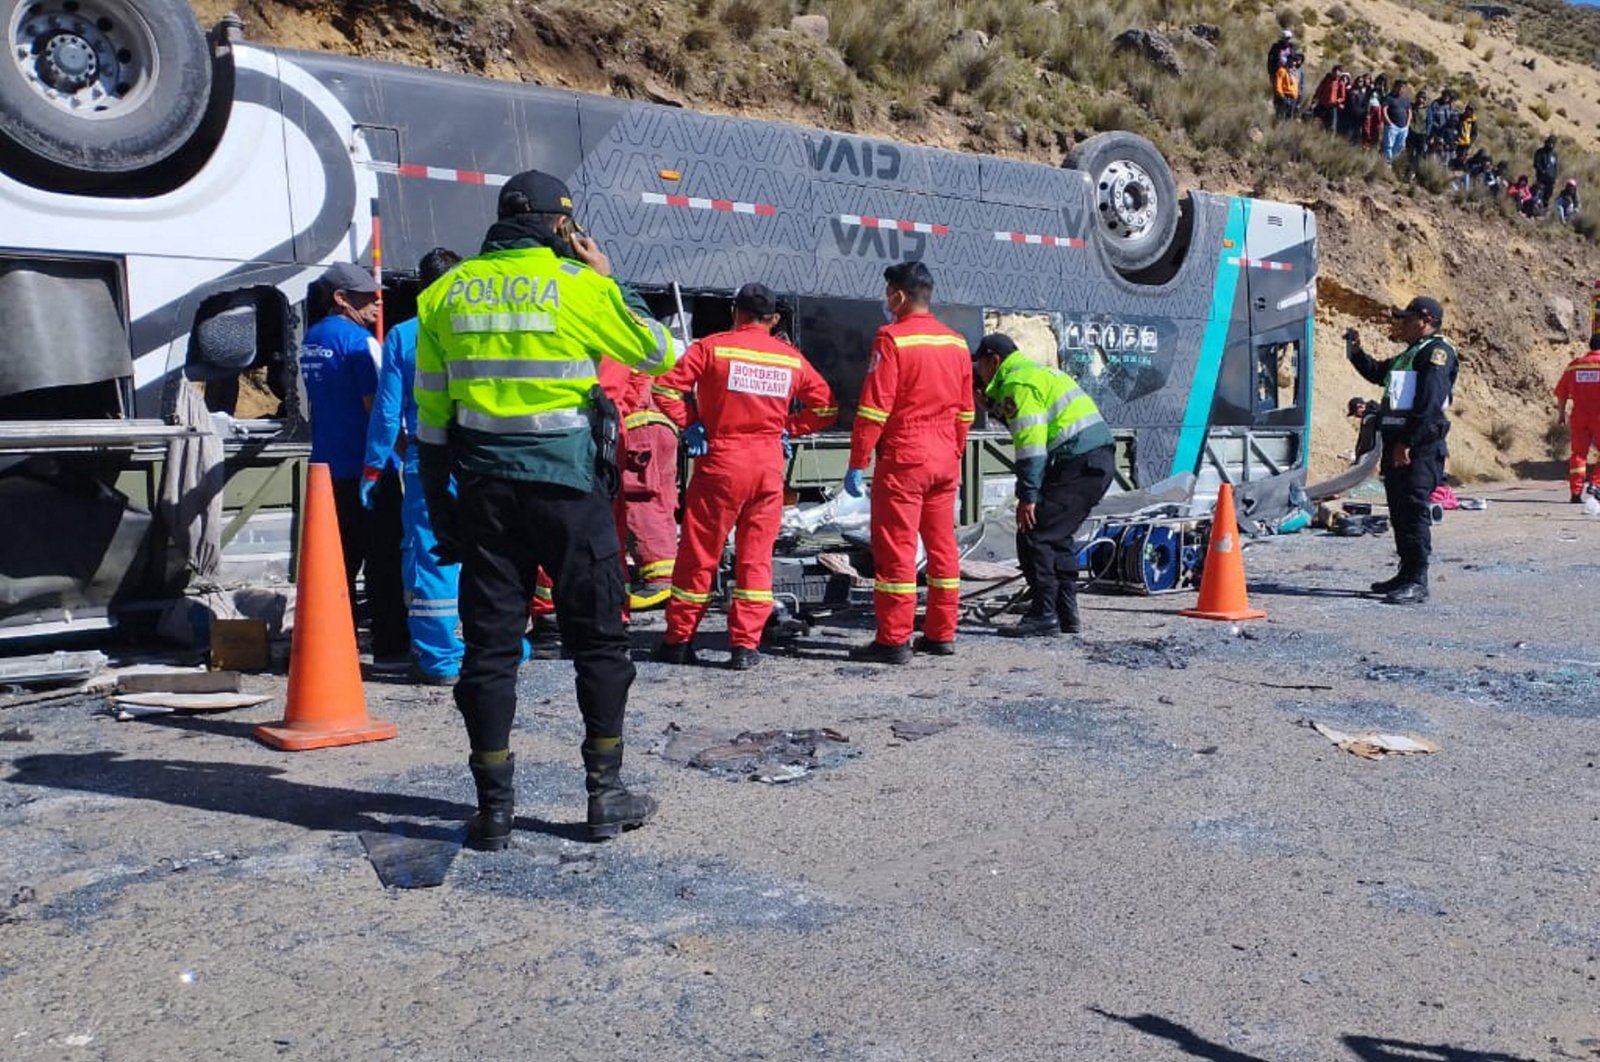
[
  {"x": 1580, "y": 385},
  {"x": 650, "y": 492},
  {"x": 745, "y": 383},
  {"x": 915, "y": 411}
]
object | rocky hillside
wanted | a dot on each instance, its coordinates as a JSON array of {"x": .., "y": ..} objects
[{"x": 1030, "y": 78}]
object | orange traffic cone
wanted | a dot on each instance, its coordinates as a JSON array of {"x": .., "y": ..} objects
[
  {"x": 1222, "y": 592},
  {"x": 326, "y": 704}
]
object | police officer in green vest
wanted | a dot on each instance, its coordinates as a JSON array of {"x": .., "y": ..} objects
[
  {"x": 1413, "y": 424},
  {"x": 1065, "y": 460},
  {"x": 508, "y": 400}
]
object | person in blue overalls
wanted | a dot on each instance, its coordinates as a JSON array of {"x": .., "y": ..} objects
[
  {"x": 339, "y": 362},
  {"x": 430, "y": 586}
]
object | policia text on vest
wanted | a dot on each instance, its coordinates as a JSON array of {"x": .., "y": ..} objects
[{"x": 1413, "y": 423}]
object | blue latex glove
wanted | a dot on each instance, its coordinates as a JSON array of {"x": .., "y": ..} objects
[
  {"x": 788, "y": 447},
  {"x": 852, "y": 483},
  {"x": 369, "y": 488},
  {"x": 695, "y": 441}
]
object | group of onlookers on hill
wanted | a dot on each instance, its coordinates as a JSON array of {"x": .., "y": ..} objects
[{"x": 1371, "y": 111}]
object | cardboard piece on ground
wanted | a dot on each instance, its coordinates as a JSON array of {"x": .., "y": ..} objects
[
  {"x": 1374, "y": 746},
  {"x": 239, "y": 645},
  {"x": 193, "y": 702},
  {"x": 409, "y": 862},
  {"x": 185, "y": 681}
]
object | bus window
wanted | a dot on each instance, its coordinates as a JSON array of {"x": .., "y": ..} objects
[
  {"x": 237, "y": 349},
  {"x": 1277, "y": 378},
  {"x": 1035, "y": 334}
]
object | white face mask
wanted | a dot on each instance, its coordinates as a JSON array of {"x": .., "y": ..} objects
[{"x": 888, "y": 314}]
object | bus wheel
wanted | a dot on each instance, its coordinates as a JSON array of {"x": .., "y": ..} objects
[
  {"x": 91, "y": 89},
  {"x": 1135, "y": 198}
]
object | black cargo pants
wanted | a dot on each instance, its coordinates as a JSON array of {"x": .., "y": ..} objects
[
  {"x": 508, "y": 531},
  {"x": 1408, "y": 491},
  {"x": 1072, "y": 487}
]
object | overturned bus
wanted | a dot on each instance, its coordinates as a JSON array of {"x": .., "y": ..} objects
[{"x": 167, "y": 197}]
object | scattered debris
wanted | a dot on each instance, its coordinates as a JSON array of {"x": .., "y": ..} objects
[
  {"x": 52, "y": 669},
  {"x": 1139, "y": 653},
  {"x": 404, "y": 862},
  {"x": 779, "y": 773},
  {"x": 916, "y": 731},
  {"x": 186, "y": 680},
  {"x": 757, "y": 755},
  {"x": 1276, "y": 685},
  {"x": 1372, "y": 745},
  {"x": 988, "y": 571},
  {"x": 20, "y": 896},
  {"x": 192, "y": 702}
]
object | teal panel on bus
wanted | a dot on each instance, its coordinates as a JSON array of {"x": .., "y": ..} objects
[{"x": 1197, "y": 414}]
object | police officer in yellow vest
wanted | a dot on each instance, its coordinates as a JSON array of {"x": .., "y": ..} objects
[
  {"x": 1065, "y": 460},
  {"x": 508, "y": 400},
  {"x": 1417, "y": 385}
]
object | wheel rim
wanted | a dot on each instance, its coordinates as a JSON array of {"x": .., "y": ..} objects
[
  {"x": 1127, "y": 201},
  {"x": 93, "y": 59}
]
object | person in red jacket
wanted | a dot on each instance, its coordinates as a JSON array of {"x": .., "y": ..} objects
[
  {"x": 615, "y": 380},
  {"x": 745, "y": 383},
  {"x": 650, "y": 493},
  {"x": 914, "y": 413},
  {"x": 1580, "y": 386}
]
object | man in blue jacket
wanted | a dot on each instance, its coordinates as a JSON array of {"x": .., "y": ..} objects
[
  {"x": 339, "y": 362},
  {"x": 430, "y": 587}
]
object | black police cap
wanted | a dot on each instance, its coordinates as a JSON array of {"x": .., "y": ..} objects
[
  {"x": 999, "y": 344},
  {"x": 1421, "y": 306},
  {"x": 533, "y": 192}
]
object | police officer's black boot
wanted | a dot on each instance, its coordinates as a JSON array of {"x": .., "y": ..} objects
[
  {"x": 1037, "y": 623},
  {"x": 612, "y": 807},
  {"x": 1393, "y": 583},
  {"x": 1414, "y": 592},
  {"x": 1067, "y": 606},
  {"x": 491, "y": 826}
]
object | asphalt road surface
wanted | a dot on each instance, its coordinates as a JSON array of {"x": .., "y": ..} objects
[{"x": 1123, "y": 846}]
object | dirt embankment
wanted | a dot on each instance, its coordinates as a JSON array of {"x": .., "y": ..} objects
[{"x": 1516, "y": 293}]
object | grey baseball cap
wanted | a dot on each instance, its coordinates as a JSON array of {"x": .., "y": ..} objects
[{"x": 347, "y": 276}]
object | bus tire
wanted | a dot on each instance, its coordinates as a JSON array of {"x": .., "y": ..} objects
[
  {"x": 1135, "y": 205},
  {"x": 92, "y": 90}
]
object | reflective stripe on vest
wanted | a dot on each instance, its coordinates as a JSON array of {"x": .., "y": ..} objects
[
  {"x": 521, "y": 424},
  {"x": 1071, "y": 411},
  {"x": 520, "y": 369}
]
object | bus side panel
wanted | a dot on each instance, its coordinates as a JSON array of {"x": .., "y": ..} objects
[
  {"x": 1002, "y": 274},
  {"x": 1282, "y": 266},
  {"x": 1219, "y": 235},
  {"x": 750, "y": 196},
  {"x": 889, "y": 165},
  {"x": 462, "y": 127},
  {"x": 858, "y": 230}
]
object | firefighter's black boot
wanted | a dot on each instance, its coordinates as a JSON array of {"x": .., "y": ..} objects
[
  {"x": 612, "y": 808},
  {"x": 491, "y": 826}
]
